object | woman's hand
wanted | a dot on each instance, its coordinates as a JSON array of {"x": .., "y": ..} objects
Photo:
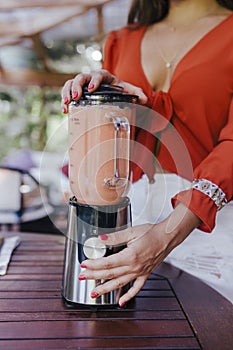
[
  {"x": 73, "y": 88},
  {"x": 147, "y": 246}
]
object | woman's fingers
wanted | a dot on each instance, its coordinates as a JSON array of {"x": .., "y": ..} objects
[
  {"x": 111, "y": 285},
  {"x": 104, "y": 275},
  {"x": 136, "y": 261},
  {"x": 66, "y": 95},
  {"x": 125, "y": 236},
  {"x": 77, "y": 85},
  {"x": 133, "y": 291},
  {"x": 102, "y": 76},
  {"x": 134, "y": 90},
  {"x": 131, "y": 241},
  {"x": 72, "y": 89},
  {"x": 118, "y": 283},
  {"x": 105, "y": 264},
  {"x": 118, "y": 238}
]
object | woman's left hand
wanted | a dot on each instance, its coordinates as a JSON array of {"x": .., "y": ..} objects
[
  {"x": 147, "y": 247},
  {"x": 135, "y": 262}
]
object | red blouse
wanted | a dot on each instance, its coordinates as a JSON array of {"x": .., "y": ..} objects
[{"x": 199, "y": 106}]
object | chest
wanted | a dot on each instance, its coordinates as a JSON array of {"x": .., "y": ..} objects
[{"x": 162, "y": 50}]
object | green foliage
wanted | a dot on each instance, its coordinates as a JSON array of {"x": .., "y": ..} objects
[{"x": 26, "y": 115}]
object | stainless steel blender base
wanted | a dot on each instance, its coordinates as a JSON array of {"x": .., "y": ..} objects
[
  {"x": 75, "y": 291},
  {"x": 82, "y": 242}
]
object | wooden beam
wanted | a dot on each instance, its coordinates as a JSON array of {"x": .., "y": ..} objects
[
  {"x": 9, "y": 40},
  {"x": 27, "y": 77},
  {"x": 15, "y": 4},
  {"x": 39, "y": 22},
  {"x": 40, "y": 51},
  {"x": 100, "y": 22}
]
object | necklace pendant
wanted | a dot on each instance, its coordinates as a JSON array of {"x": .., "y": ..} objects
[{"x": 168, "y": 65}]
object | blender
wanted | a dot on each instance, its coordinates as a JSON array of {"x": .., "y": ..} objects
[{"x": 100, "y": 130}]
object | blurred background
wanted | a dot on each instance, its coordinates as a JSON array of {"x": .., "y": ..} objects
[{"x": 42, "y": 44}]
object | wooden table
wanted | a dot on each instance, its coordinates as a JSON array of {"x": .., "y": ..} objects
[{"x": 173, "y": 311}]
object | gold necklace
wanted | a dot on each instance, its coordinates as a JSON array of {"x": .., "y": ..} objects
[{"x": 169, "y": 62}]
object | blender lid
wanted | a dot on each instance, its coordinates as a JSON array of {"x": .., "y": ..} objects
[
  {"x": 104, "y": 88},
  {"x": 107, "y": 93}
]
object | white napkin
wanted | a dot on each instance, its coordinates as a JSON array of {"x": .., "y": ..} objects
[{"x": 8, "y": 246}]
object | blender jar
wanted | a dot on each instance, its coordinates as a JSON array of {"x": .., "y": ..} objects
[{"x": 99, "y": 145}]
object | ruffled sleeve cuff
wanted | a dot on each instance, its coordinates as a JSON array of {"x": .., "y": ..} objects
[{"x": 201, "y": 205}]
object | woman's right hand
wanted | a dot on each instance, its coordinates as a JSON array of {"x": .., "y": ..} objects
[{"x": 72, "y": 89}]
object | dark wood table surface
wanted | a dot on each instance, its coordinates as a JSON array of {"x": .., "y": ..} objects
[{"x": 173, "y": 311}]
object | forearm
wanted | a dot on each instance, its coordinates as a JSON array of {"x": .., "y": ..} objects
[{"x": 179, "y": 225}]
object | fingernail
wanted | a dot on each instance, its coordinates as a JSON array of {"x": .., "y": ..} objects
[
  {"x": 83, "y": 266},
  {"x": 75, "y": 94},
  {"x": 94, "y": 295},
  {"x": 66, "y": 100},
  {"x": 90, "y": 86},
  {"x": 122, "y": 304},
  {"x": 64, "y": 110},
  {"x": 103, "y": 237},
  {"x": 81, "y": 278}
]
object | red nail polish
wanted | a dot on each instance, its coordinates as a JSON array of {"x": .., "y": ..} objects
[
  {"x": 75, "y": 94},
  {"x": 103, "y": 237},
  {"x": 81, "y": 278},
  {"x": 94, "y": 295},
  {"x": 90, "y": 86},
  {"x": 66, "y": 100},
  {"x": 122, "y": 304},
  {"x": 83, "y": 266},
  {"x": 64, "y": 110}
]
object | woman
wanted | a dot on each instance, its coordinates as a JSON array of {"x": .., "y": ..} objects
[{"x": 177, "y": 56}]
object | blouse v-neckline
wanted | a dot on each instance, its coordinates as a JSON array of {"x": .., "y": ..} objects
[{"x": 183, "y": 58}]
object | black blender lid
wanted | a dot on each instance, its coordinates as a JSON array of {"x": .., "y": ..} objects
[
  {"x": 104, "y": 88},
  {"x": 108, "y": 92}
]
